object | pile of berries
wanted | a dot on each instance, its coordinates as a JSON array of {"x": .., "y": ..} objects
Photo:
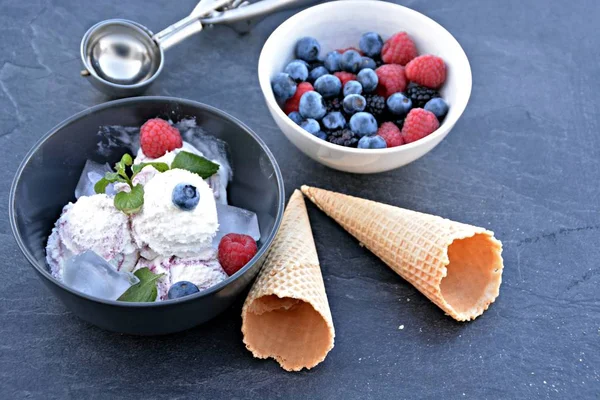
[{"x": 381, "y": 95}]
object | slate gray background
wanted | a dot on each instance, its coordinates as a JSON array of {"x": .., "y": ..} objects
[{"x": 524, "y": 160}]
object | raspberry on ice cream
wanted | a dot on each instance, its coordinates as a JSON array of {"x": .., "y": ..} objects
[
  {"x": 92, "y": 223},
  {"x": 157, "y": 137},
  {"x": 203, "y": 271},
  {"x": 161, "y": 228}
]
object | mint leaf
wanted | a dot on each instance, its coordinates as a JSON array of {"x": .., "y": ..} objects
[
  {"x": 145, "y": 291},
  {"x": 194, "y": 163},
  {"x": 160, "y": 167},
  {"x": 121, "y": 166},
  {"x": 109, "y": 177},
  {"x": 131, "y": 202},
  {"x": 100, "y": 186}
]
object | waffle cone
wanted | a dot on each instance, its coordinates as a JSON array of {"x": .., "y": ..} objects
[
  {"x": 457, "y": 266},
  {"x": 286, "y": 315}
]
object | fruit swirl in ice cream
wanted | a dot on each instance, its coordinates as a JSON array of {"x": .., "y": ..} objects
[
  {"x": 92, "y": 223},
  {"x": 204, "y": 272},
  {"x": 162, "y": 228}
]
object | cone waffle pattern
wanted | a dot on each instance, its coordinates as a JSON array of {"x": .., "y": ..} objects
[
  {"x": 419, "y": 247},
  {"x": 286, "y": 315}
]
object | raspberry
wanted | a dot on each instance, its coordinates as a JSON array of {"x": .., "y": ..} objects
[
  {"x": 418, "y": 124},
  {"x": 391, "y": 79},
  {"x": 293, "y": 104},
  {"x": 345, "y": 77},
  {"x": 427, "y": 70},
  {"x": 157, "y": 137},
  {"x": 399, "y": 49},
  {"x": 420, "y": 95},
  {"x": 235, "y": 251},
  {"x": 391, "y": 134},
  {"x": 342, "y": 51}
]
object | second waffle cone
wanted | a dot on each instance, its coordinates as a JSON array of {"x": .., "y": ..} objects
[{"x": 457, "y": 266}]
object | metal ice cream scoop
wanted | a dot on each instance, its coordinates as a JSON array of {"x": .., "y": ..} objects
[{"x": 123, "y": 58}]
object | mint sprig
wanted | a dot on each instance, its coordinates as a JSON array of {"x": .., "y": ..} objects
[
  {"x": 145, "y": 290},
  {"x": 195, "y": 163},
  {"x": 131, "y": 202},
  {"x": 160, "y": 167}
]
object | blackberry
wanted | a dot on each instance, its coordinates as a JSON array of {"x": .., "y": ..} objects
[
  {"x": 375, "y": 105},
  {"x": 420, "y": 95},
  {"x": 334, "y": 104},
  {"x": 343, "y": 137}
]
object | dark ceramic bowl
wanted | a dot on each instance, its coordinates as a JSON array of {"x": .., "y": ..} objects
[{"x": 46, "y": 180}]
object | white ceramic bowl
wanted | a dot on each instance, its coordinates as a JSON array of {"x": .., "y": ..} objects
[{"x": 340, "y": 24}]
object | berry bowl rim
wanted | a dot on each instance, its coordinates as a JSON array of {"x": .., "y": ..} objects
[
  {"x": 43, "y": 270},
  {"x": 329, "y": 7}
]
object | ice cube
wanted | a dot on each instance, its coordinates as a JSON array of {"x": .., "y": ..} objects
[
  {"x": 93, "y": 275},
  {"x": 91, "y": 174},
  {"x": 236, "y": 220},
  {"x": 114, "y": 140},
  {"x": 211, "y": 147}
]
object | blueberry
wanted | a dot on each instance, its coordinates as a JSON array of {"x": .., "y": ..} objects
[
  {"x": 317, "y": 73},
  {"x": 352, "y": 87},
  {"x": 182, "y": 289},
  {"x": 332, "y": 61},
  {"x": 185, "y": 197},
  {"x": 312, "y": 105},
  {"x": 350, "y": 61},
  {"x": 308, "y": 49},
  {"x": 284, "y": 86},
  {"x": 372, "y": 142},
  {"x": 297, "y": 71},
  {"x": 321, "y": 135},
  {"x": 368, "y": 79},
  {"x": 311, "y": 126},
  {"x": 302, "y": 62},
  {"x": 371, "y": 44},
  {"x": 367, "y": 62},
  {"x": 399, "y": 104},
  {"x": 296, "y": 117},
  {"x": 354, "y": 103},
  {"x": 363, "y": 124},
  {"x": 437, "y": 106},
  {"x": 328, "y": 85},
  {"x": 334, "y": 120}
]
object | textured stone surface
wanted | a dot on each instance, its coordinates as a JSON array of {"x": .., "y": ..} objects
[{"x": 524, "y": 161}]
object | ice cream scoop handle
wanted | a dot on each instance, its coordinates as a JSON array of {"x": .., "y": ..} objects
[{"x": 258, "y": 9}]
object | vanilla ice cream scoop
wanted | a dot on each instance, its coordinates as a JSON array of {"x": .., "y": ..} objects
[
  {"x": 218, "y": 182},
  {"x": 178, "y": 218},
  {"x": 92, "y": 223}
]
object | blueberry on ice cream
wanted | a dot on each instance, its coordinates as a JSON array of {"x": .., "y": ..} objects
[{"x": 163, "y": 228}]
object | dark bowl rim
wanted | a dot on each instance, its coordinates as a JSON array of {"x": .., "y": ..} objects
[{"x": 82, "y": 114}]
